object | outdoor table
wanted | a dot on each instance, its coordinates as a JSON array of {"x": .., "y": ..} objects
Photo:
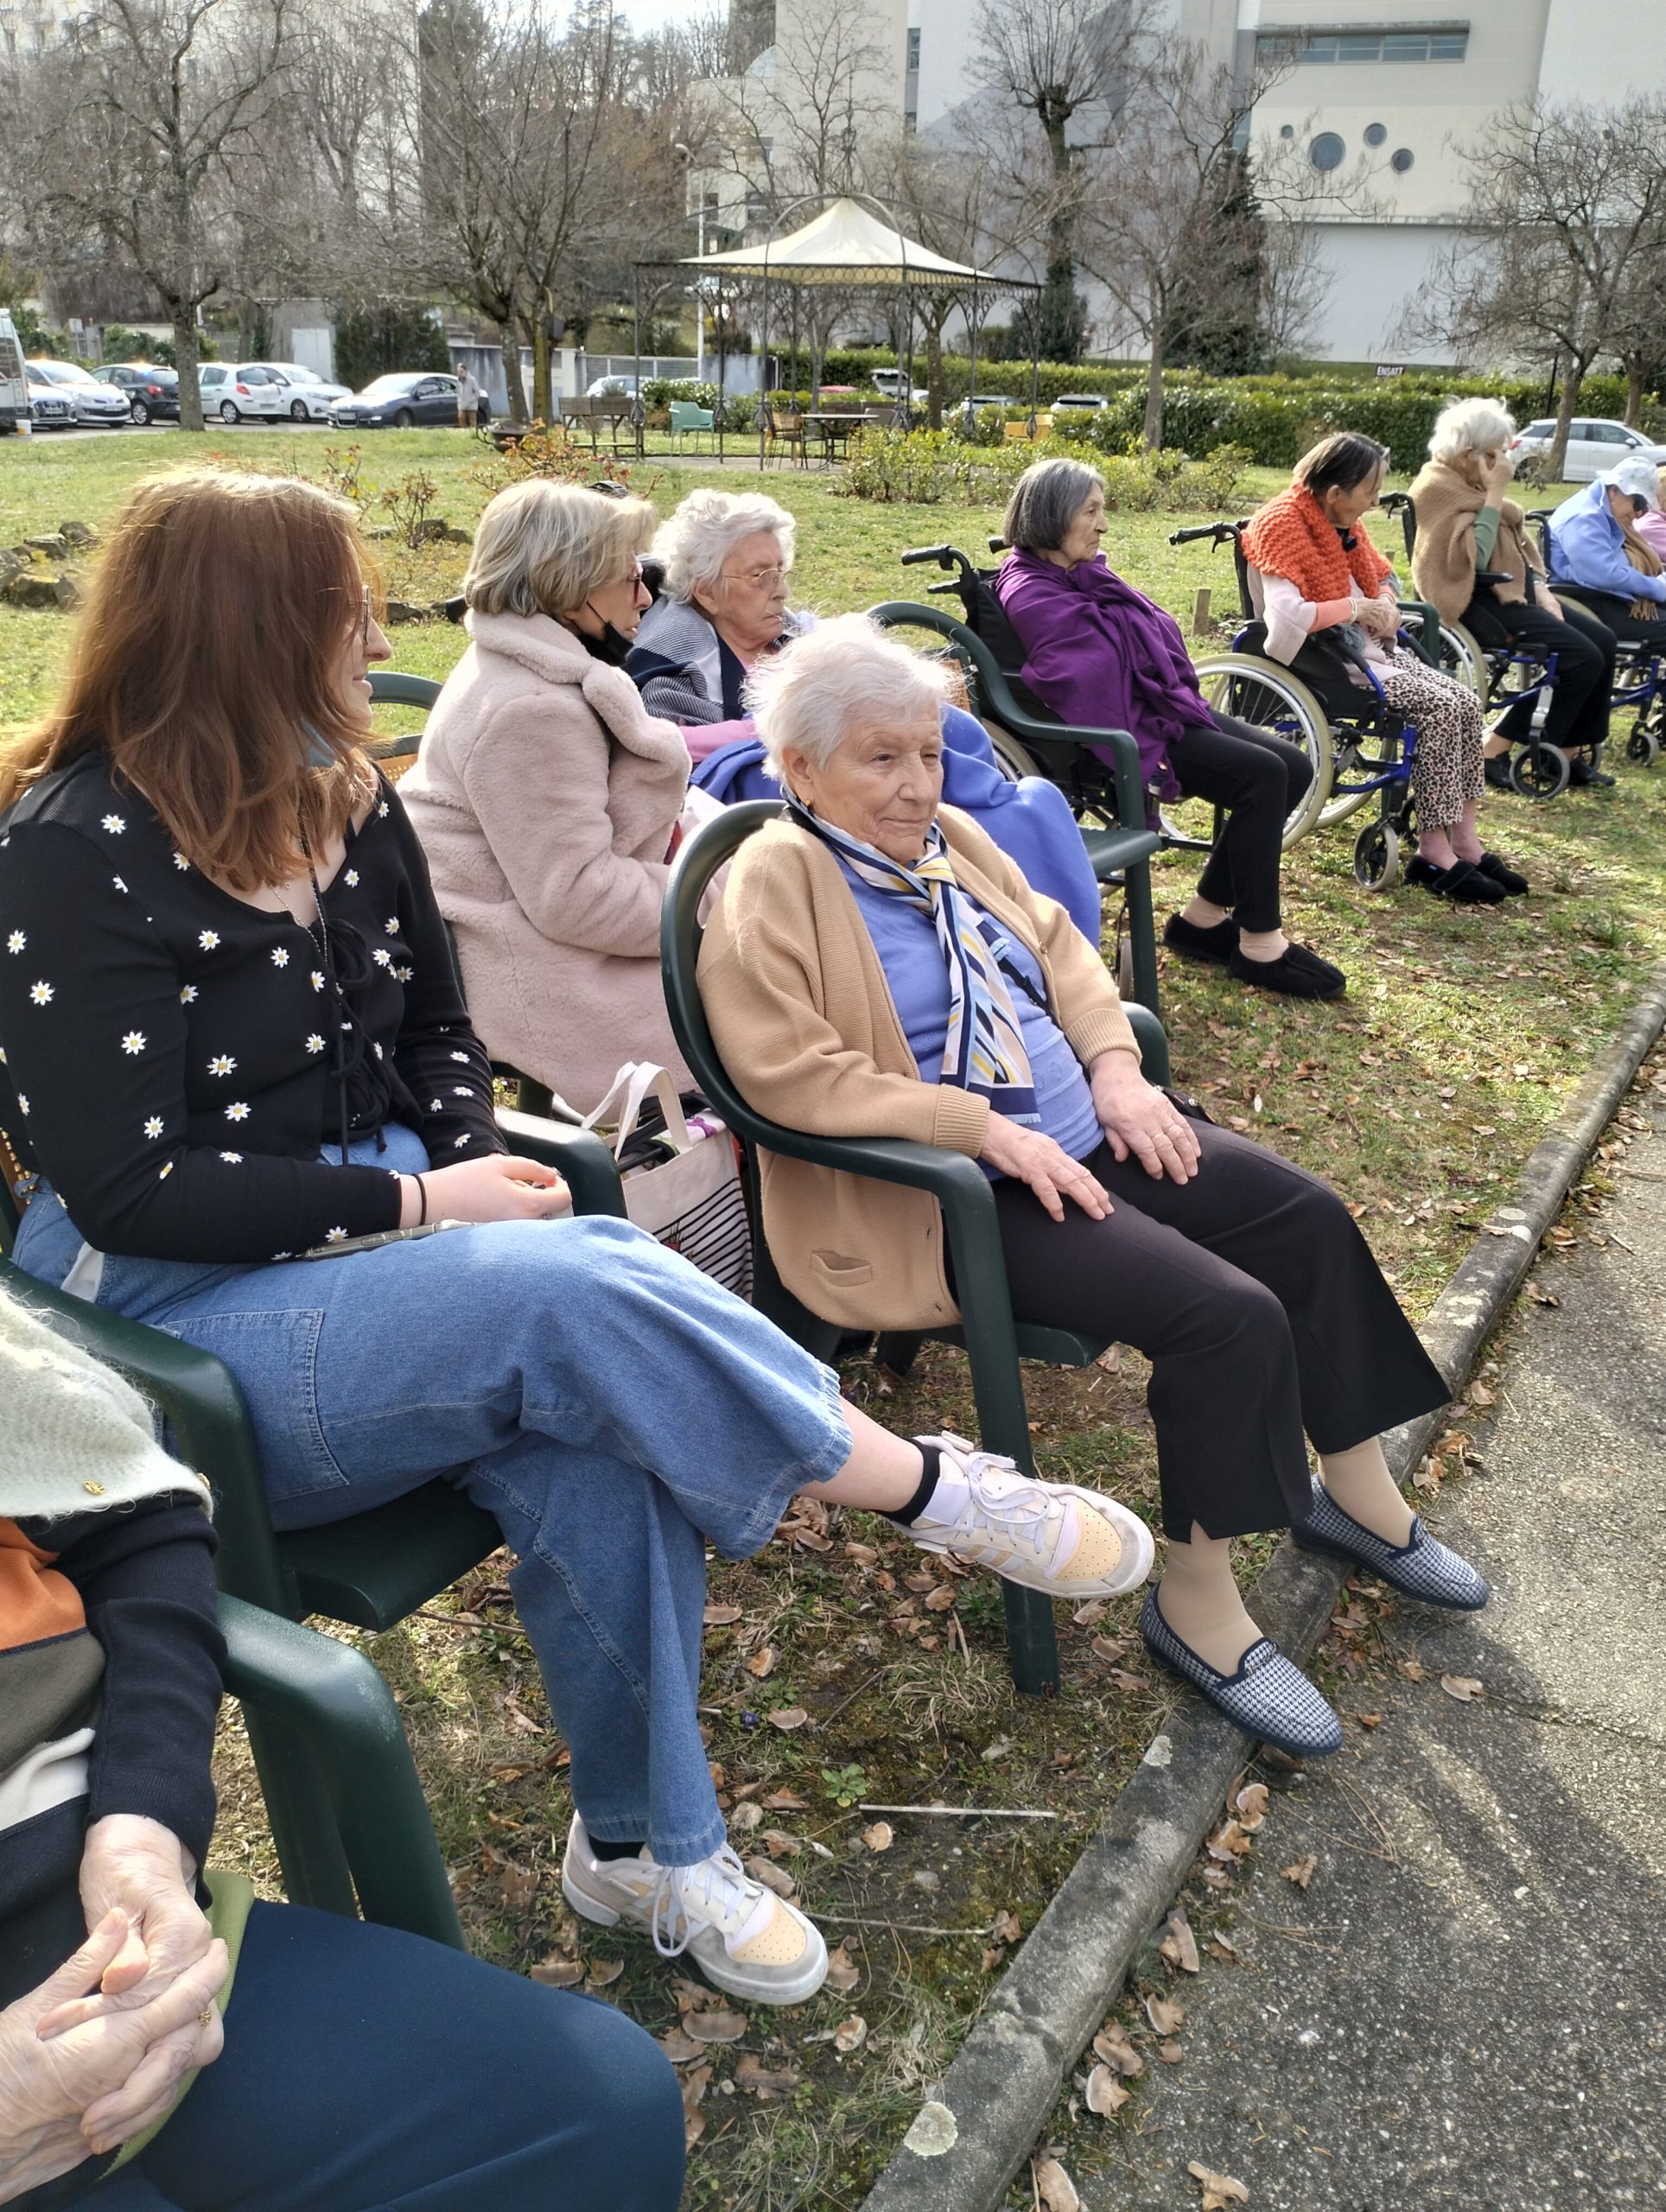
[{"x": 833, "y": 431}]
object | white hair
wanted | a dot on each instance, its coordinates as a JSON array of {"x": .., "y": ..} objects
[
  {"x": 543, "y": 548},
  {"x": 697, "y": 537},
  {"x": 810, "y": 697},
  {"x": 1470, "y": 426}
]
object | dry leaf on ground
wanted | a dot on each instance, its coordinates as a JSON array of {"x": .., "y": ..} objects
[
  {"x": 1179, "y": 1945},
  {"x": 715, "y": 2027},
  {"x": 745, "y": 1817},
  {"x": 1111, "y": 2043},
  {"x": 1055, "y": 2188},
  {"x": 762, "y": 1662},
  {"x": 694, "y": 2127},
  {"x": 879, "y": 1837},
  {"x": 1008, "y": 1927},
  {"x": 557, "y": 1973},
  {"x": 773, "y": 1877},
  {"x": 786, "y": 1717},
  {"x": 1301, "y": 1873},
  {"x": 1220, "y": 2191},
  {"x": 1462, "y": 1686},
  {"x": 679, "y": 2048},
  {"x": 779, "y": 1843},
  {"x": 689, "y": 1996},
  {"x": 851, "y": 2034},
  {"x": 1164, "y": 2014},
  {"x": 784, "y": 1800},
  {"x": 605, "y": 1972},
  {"x": 759, "y": 2080},
  {"x": 1228, "y": 1842},
  {"x": 1170, "y": 2053},
  {"x": 695, "y": 2086},
  {"x": 722, "y": 1616},
  {"x": 1104, "y": 2094},
  {"x": 843, "y": 1971},
  {"x": 1250, "y": 1806}
]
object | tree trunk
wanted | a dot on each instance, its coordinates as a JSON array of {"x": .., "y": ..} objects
[
  {"x": 542, "y": 404},
  {"x": 1634, "y": 378},
  {"x": 1573, "y": 376},
  {"x": 1152, "y": 429},
  {"x": 185, "y": 360},
  {"x": 934, "y": 372},
  {"x": 508, "y": 344}
]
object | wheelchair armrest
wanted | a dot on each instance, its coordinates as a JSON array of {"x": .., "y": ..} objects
[
  {"x": 579, "y": 1155},
  {"x": 1494, "y": 576}
]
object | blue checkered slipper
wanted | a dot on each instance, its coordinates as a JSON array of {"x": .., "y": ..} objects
[
  {"x": 1267, "y": 1697},
  {"x": 1423, "y": 1568}
]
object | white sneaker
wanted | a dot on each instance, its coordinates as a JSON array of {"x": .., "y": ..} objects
[
  {"x": 1066, "y": 1542},
  {"x": 742, "y": 1937}
]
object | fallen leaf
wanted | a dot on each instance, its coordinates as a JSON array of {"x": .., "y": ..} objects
[
  {"x": 1368, "y": 1720},
  {"x": 1228, "y": 1842},
  {"x": 762, "y": 1662},
  {"x": 1132, "y": 1683},
  {"x": 722, "y": 1616},
  {"x": 850, "y": 2035},
  {"x": 679, "y": 2048},
  {"x": 1250, "y": 1806},
  {"x": 557, "y": 1973},
  {"x": 1179, "y": 1945},
  {"x": 879, "y": 1837},
  {"x": 1413, "y": 1669},
  {"x": 689, "y": 1996},
  {"x": 1300, "y": 1871},
  {"x": 1111, "y": 2043},
  {"x": 1170, "y": 2053},
  {"x": 518, "y": 1885},
  {"x": 786, "y": 1717},
  {"x": 864, "y": 1554},
  {"x": 1462, "y": 1686},
  {"x": 779, "y": 1844},
  {"x": 771, "y": 1877},
  {"x": 1104, "y": 2094},
  {"x": 1220, "y": 2191},
  {"x": 605, "y": 1972},
  {"x": 759, "y": 2080},
  {"x": 1222, "y": 1947},
  {"x": 843, "y": 1971},
  {"x": 715, "y": 2027},
  {"x": 1092, "y": 1614},
  {"x": 745, "y": 1817},
  {"x": 1008, "y": 1927},
  {"x": 694, "y": 2127},
  {"x": 1055, "y": 2188},
  {"x": 1541, "y": 1296},
  {"x": 1164, "y": 2014},
  {"x": 783, "y": 1800},
  {"x": 940, "y": 1601},
  {"x": 1480, "y": 1396},
  {"x": 695, "y": 2086}
]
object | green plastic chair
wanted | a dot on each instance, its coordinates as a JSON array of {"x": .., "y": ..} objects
[
  {"x": 688, "y": 421},
  {"x": 1122, "y": 850},
  {"x": 993, "y": 1341}
]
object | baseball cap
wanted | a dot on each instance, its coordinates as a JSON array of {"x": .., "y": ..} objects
[{"x": 1637, "y": 477}]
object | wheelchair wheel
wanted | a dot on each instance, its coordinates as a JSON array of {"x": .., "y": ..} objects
[
  {"x": 1462, "y": 659},
  {"x": 1540, "y": 771},
  {"x": 1643, "y": 746},
  {"x": 1376, "y": 857},
  {"x": 1011, "y": 758},
  {"x": 1261, "y": 692}
]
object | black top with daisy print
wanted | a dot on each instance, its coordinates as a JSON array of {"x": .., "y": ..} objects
[{"x": 168, "y": 1061}]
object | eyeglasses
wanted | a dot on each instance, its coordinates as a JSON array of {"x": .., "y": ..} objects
[
  {"x": 756, "y": 579},
  {"x": 366, "y": 616}
]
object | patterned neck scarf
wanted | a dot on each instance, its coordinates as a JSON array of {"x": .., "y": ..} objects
[{"x": 984, "y": 1050}]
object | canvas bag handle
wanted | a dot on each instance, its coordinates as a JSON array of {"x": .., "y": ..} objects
[{"x": 636, "y": 1080}]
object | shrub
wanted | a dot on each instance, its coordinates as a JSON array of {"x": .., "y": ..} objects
[
  {"x": 740, "y": 409},
  {"x": 371, "y": 341},
  {"x": 934, "y": 468},
  {"x": 409, "y": 505}
]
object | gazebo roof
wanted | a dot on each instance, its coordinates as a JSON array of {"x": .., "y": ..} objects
[{"x": 844, "y": 245}]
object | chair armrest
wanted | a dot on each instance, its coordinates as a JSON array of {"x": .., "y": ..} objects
[
  {"x": 580, "y": 1155},
  {"x": 1152, "y": 1040},
  {"x": 333, "y": 1696}
]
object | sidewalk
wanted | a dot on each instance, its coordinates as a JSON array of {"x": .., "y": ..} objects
[{"x": 1466, "y": 2008}]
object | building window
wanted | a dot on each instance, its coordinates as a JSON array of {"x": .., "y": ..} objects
[
  {"x": 911, "y": 83},
  {"x": 1327, "y": 151},
  {"x": 1377, "y": 134},
  {"x": 1337, "y": 48},
  {"x": 1401, "y": 159},
  {"x": 913, "y": 49}
]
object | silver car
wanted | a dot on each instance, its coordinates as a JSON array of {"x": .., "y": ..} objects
[
  {"x": 97, "y": 406},
  {"x": 1594, "y": 446},
  {"x": 50, "y": 407},
  {"x": 307, "y": 396}
]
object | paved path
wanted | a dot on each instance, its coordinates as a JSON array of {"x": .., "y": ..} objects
[{"x": 1467, "y": 2008}]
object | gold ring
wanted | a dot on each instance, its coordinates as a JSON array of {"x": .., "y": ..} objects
[{"x": 205, "y": 2017}]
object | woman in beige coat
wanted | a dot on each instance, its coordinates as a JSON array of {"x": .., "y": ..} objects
[{"x": 546, "y": 796}]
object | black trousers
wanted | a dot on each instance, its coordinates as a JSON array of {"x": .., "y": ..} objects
[
  {"x": 1259, "y": 1305},
  {"x": 1585, "y": 665},
  {"x": 1615, "y": 617},
  {"x": 1258, "y": 778}
]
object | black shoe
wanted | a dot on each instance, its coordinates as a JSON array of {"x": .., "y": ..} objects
[
  {"x": 1584, "y": 772},
  {"x": 1515, "y": 886},
  {"x": 1464, "y": 885},
  {"x": 1495, "y": 769},
  {"x": 1296, "y": 973},
  {"x": 1217, "y": 944}
]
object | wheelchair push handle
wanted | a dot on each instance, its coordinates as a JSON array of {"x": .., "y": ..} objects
[
  {"x": 1219, "y": 533},
  {"x": 1395, "y": 503},
  {"x": 944, "y": 556}
]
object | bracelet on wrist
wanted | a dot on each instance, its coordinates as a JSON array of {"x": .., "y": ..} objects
[{"x": 422, "y": 1201}]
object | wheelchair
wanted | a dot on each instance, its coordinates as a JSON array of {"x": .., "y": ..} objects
[
  {"x": 1505, "y": 678},
  {"x": 1639, "y": 670}
]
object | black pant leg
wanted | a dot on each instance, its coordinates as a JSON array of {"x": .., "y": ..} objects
[
  {"x": 1258, "y": 777},
  {"x": 1615, "y": 617},
  {"x": 1585, "y": 671}
]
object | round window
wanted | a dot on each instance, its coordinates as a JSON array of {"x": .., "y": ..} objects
[
  {"x": 1326, "y": 151},
  {"x": 1286, "y": 131},
  {"x": 1401, "y": 159},
  {"x": 1377, "y": 134}
]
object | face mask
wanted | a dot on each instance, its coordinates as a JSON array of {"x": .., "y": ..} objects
[{"x": 611, "y": 646}]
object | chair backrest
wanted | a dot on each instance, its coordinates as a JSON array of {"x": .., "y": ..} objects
[
  {"x": 577, "y": 410},
  {"x": 389, "y": 687},
  {"x": 789, "y": 423},
  {"x": 613, "y": 406},
  {"x": 679, "y": 955},
  {"x": 686, "y": 415},
  {"x": 1399, "y": 503}
]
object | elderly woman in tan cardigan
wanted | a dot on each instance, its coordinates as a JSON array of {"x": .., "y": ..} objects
[
  {"x": 546, "y": 796},
  {"x": 1474, "y": 559},
  {"x": 878, "y": 968}
]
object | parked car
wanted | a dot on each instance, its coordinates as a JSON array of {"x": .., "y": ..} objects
[
  {"x": 1086, "y": 402},
  {"x": 241, "y": 391},
  {"x": 15, "y": 414},
  {"x": 152, "y": 395},
  {"x": 889, "y": 382},
  {"x": 97, "y": 406},
  {"x": 399, "y": 400},
  {"x": 610, "y": 386},
  {"x": 51, "y": 407},
  {"x": 979, "y": 399},
  {"x": 1594, "y": 446},
  {"x": 307, "y": 396}
]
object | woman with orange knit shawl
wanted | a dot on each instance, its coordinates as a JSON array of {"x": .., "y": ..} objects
[{"x": 1321, "y": 579}]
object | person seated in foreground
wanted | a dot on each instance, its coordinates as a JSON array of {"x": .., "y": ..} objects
[
  {"x": 878, "y": 968},
  {"x": 727, "y": 556},
  {"x": 1466, "y": 526},
  {"x": 1597, "y": 553},
  {"x": 1101, "y": 653},
  {"x": 166, "y": 2040},
  {"x": 1330, "y": 604},
  {"x": 546, "y": 797},
  {"x": 229, "y": 1015}
]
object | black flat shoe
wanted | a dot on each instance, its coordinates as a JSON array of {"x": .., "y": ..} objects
[
  {"x": 1296, "y": 973},
  {"x": 1495, "y": 769},
  {"x": 1464, "y": 885},
  {"x": 1217, "y": 944},
  {"x": 1515, "y": 886},
  {"x": 1587, "y": 772}
]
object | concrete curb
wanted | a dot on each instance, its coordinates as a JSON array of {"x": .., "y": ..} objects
[{"x": 966, "y": 2144}]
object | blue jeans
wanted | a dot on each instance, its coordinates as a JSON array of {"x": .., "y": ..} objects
[
  {"x": 366, "y": 2070},
  {"x": 610, "y": 1405}
]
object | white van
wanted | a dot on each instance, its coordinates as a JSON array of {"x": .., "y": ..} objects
[{"x": 15, "y": 420}]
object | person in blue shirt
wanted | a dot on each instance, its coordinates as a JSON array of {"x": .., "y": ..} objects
[{"x": 1597, "y": 554}]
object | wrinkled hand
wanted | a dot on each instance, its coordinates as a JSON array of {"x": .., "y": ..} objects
[
  {"x": 1137, "y": 1118},
  {"x": 77, "y": 2077},
  {"x": 1029, "y": 1157},
  {"x": 497, "y": 1188},
  {"x": 1551, "y": 604},
  {"x": 142, "y": 1868},
  {"x": 1379, "y": 616},
  {"x": 1496, "y": 477}
]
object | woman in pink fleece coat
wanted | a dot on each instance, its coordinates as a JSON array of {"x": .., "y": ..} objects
[{"x": 546, "y": 796}]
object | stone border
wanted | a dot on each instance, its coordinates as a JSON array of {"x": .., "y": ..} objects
[{"x": 967, "y": 2143}]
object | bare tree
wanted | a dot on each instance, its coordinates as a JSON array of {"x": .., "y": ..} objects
[
  {"x": 1564, "y": 235},
  {"x": 131, "y": 121},
  {"x": 951, "y": 199}
]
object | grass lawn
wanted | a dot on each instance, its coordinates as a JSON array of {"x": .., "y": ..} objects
[{"x": 842, "y": 1668}]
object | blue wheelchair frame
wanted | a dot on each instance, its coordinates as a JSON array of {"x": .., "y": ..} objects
[{"x": 1646, "y": 698}]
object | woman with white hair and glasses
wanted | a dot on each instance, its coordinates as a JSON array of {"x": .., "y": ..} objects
[
  {"x": 545, "y": 795},
  {"x": 727, "y": 558},
  {"x": 879, "y": 967},
  {"x": 1475, "y": 561}
]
